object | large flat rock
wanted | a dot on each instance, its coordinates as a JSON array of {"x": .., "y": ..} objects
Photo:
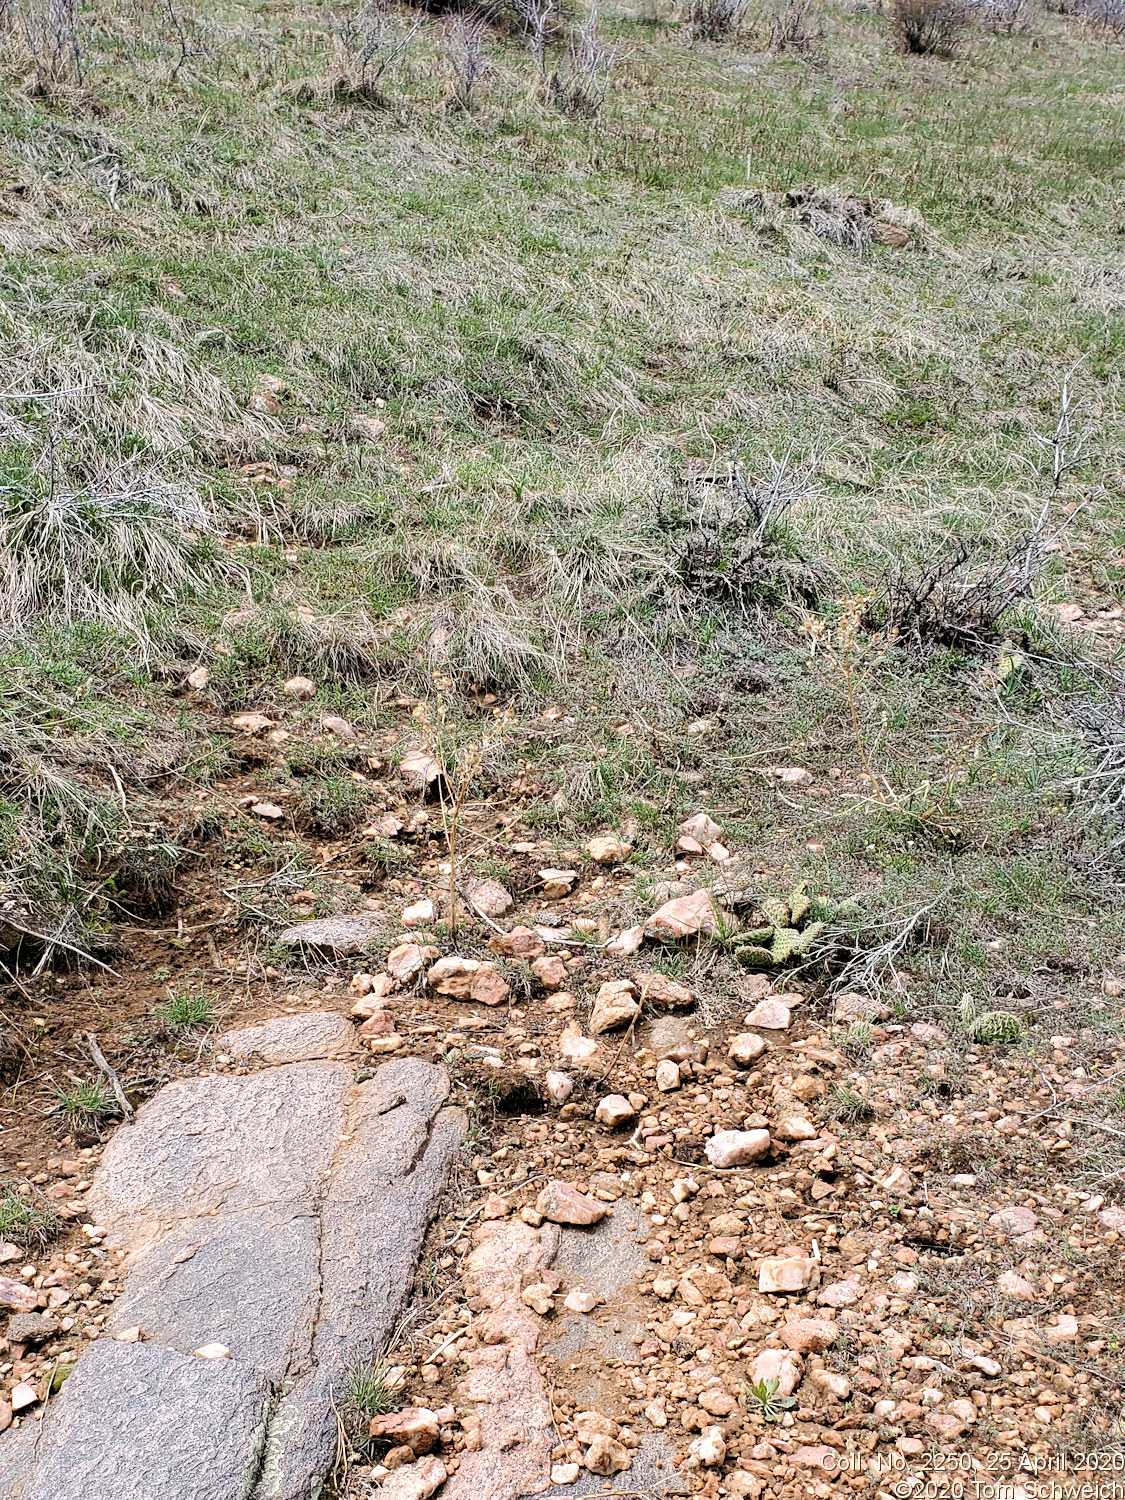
[
  {"x": 289, "y": 1039},
  {"x": 222, "y": 1144},
  {"x": 249, "y": 1280},
  {"x": 137, "y": 1422},
  {"x": 279, "y": 1213},
  {"x": 387, "y": 1178}
]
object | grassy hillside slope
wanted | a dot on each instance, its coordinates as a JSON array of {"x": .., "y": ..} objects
[{"x": 653, "y": 430}]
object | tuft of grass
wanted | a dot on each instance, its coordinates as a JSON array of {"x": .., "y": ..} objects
[
  {"x": 846, "y": 1105},
  {"x": 86, "y": 1104},
  {"x": 186, "y": 1010},
  {"x": 106, "y": 548},
  {"x": 23, "y": 1221},
  {"x": 372, "y": 1390}
]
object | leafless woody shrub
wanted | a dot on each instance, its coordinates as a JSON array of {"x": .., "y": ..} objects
[
  {"x": 715, "y": 20},
  {"x": 463, "y": 42},
  {"x": 1106, "y": 16},
  {"x": 959, "y": 600},
  {"x": 580, "y": 87},
  {"x": 928, "y": 28},
  {"x": 791, "y": 30},
  {"x": 49, "y": 29},
  {"x": 368, "y": 44},
  {"x": 1005, "y": 16},
  {"x": 540, "y": 19}
]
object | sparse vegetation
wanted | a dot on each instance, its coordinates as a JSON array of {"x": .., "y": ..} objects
[
  {"x": 186, "y": 1010},
  {"x": 86, "y": 1104},
  {"x": 26, "y": 1218}
]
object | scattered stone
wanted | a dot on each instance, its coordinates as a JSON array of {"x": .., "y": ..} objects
[
  {"x": 771, "y": 1015},
  {"x": 1063, "y": 1331},
  {"x": 415, "y": 1426},
  {"x": 420, "y": 914},
  {"x": 626, "y": 943},
  {"x": 606, "y": 1455},
  {"x": 795, "y": 1128},
  {"x": 17, "y": 1295},
  {"x": 557, "y": 883},
  {"x": 251, "y": 723},
  {"x": 735, "y": 1148},
  {"x": 491, "y": 899},
  {"x": 922, "y": 1031},
  {"x": 576, "y": 1048},
  {"x": 23, "y": 1395},
  {"x": 945, "y": 1424},
  {"x": 791, "y": 775},
  {"x": 782, "y": 1365},
  {"x": 207, "y": 1351},
  {"x": 1014, "y": 1220},
  {"x": 344, "y": 934},
  {"x": 266, "y": 810},
  {"x": 839, "y": 1387},
  {"x": 562, "y": 1203},
  {"x": 521, "y": 942},
  {"x": 614, "y": 1006},
  {"x": 369, "y": 429},
  {"x": 808, "y": 1335},
  {"x": 614, "y": 1110},
  {"x": 419, "y": 770},
  {"x": 709, "y": 1448},
  {"x": 746, "y": 1048},
  {"x": 856, "y": 1007},
  {"x": 31, "y": 1328},
  {"x": 339, "y": 727},
  {"x": 685, "y": 916},
  {"x": 407, "y": 961},
  {"x": 1113, "y": 1218},
  {"x": 290, "y": 1039},
  {"x": 559, "y": 1086},
  {"x": 607, "y": 850},
  {"x": 416, "y": 1481},
  {"x": 565, "y": 1473},
  {"x": 467, "y": 979},
  {"x": 580, "y": 1302},
  {"x": 790, "y": 1273},
  {"x": 300, "y": 687},
  {"x": 661, "y": 990},
  {"x": 898, "y": 1182},
  {"x": 655, "y": 1415},
  {"x": 701, "y": 830},
  {"x": 667, "y": 1075},
  {"x": 539, "y": 1298},
  {"x": 550, "y": 972}
]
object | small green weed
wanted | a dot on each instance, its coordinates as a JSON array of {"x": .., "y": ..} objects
[{"x": 765, "y": 1402}]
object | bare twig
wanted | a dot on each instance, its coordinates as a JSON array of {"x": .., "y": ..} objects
[
  {"x": 114, "y": 1082},
  {"x": 57, "y": 942}
]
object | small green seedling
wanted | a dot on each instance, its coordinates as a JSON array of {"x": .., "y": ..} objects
[{"x": 770, "y": 1406}]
